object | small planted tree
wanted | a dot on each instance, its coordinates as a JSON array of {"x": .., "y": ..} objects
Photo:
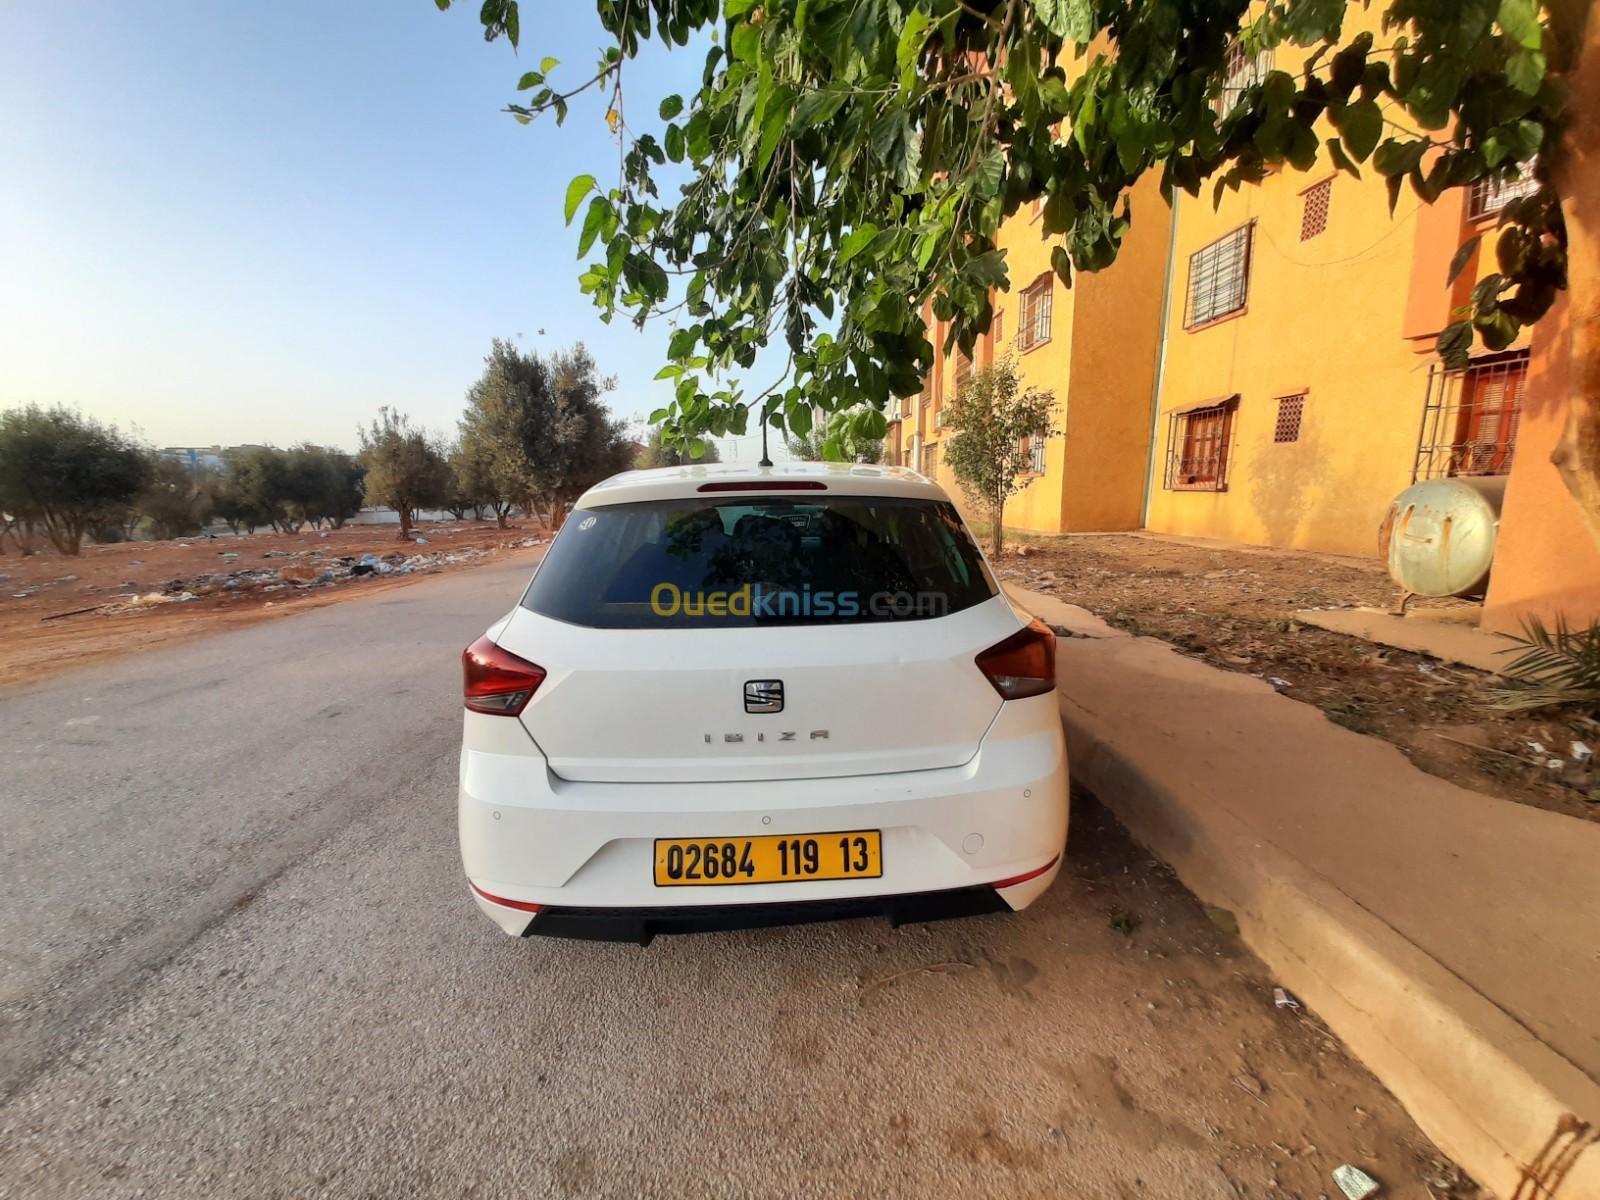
[
  {"x": 66, "y": 473},
  {"x": 995, "y": 422},
  {"x": 406, "y": 467}
]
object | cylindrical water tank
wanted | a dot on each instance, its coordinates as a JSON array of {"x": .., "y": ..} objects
[{"x": 1439, "y": 536}]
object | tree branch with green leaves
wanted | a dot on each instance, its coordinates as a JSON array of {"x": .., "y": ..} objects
[{"x": 852, "y": 160}]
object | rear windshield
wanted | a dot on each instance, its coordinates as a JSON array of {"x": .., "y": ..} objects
[{"x": 719, "y": 563}]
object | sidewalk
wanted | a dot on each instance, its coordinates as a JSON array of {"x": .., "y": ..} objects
[{"x": 1450, "y": 938}]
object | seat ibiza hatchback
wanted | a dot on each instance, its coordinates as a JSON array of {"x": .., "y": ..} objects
[{"x": 735, "y": 697}]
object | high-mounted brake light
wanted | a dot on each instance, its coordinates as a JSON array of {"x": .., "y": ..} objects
[
  {"x": 495, "y": 681},
  {"x": 766, "y": 485},
  {"x": 1022, "y": 665}
]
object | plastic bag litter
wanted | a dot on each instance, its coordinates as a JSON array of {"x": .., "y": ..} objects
[{"x": 1354, "y": 1182}]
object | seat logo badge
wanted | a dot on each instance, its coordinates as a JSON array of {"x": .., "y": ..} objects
[{"x": 763, "y": 696}]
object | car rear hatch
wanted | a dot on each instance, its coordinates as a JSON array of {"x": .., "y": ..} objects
[{"x": 751, "y": 638}]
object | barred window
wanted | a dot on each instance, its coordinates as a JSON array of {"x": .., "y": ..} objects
[
  {"x": 1219, "y": 277},
  {"x": 1314, "y": 219},
  {"x": 963, "y": 368},
  {"x": 1197, "y": 447},
  {"x": 930, "y": 460},
  {"x": 998, "y": 329},
  {"x": 1291, "y": 410},
  {"x": 1244, "y": 71},
  {"x": 1038, "y": 299},
  {"x": 1036, "y": 454},
  {"x": 1489, "y": 196},
  {"x": 1470, "y": 423}
]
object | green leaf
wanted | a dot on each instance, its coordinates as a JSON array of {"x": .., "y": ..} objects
[
  {"x": 548, "y": 64},
  {"x": 1061, "y": 263},
  {"x": 857, "y": 240},
  {"x": 671, "y": 107},
  {"x": 1340, "y": 159},
  {"x": 675, "y": 143},
  {"x": 1395, "y": 158},
  {"x": 1072, "y": 20},
  {"x": 1462, "y": 257},
  {"x": 1520, "y": 20},
  {"x": 576, "y": 191},
  {"x": 987, "y": 174},
  {"x": 593, "y": 222},
  {"x": 1525, "y": 71},
  {"x": 773, "y": 127},
  {"x": 909, "y": 49},
  {"x": 1361, "y": 125},
  {"x": 531, "y": 80}
]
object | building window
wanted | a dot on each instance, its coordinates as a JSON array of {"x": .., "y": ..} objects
[
  {"x": 1035, "y": 449},
  {"x": 1314, "y": 218},
  {"x": 1197, "y": 447},
  {"x": 930, "y": 460},
  {"x": 1290, "y": 411},
  {"x": 997, "y": 328},
  {"x": 1469, "y": 426},
  {"x": 1489, "y": 196},
  {"x": 1219, "y": 278},
  {"x": 1038, "y": 299},
  {"x": 963, "y": 368},
  {"x": 1245, "y": 70}
]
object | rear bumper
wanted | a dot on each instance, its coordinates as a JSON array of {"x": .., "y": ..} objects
[
  {"x": 640, "y": 925},
  {"x": 582, "y": 853}
]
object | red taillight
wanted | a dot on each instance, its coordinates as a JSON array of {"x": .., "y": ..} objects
[
  {"x": 495, "y": 681},
  {"x": 1022, "y": 665}
]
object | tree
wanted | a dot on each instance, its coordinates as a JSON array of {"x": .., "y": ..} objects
[
  {"x": 836, "y": 441},
  {"x": 850, "y": 160},
  {"x": 536, "y": 433},
  {"x": 657, "y": 453},
  {"x": 509, "y": 399},
  {"x": 252, "y": 488},
  {"x": 406, "y": 467},
  {"x": 320, "y": 484},
  {"x": 66, "y": 473},
  {"x": 583, "y": 443},
  {"x": 994, "y": 425},
  {"x": 175, "y": 500}
]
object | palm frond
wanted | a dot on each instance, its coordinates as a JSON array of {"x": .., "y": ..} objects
[{"x": 1557, "y": 668}]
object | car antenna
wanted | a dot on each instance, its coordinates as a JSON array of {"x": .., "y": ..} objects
[{"x": 766, "y": 459}]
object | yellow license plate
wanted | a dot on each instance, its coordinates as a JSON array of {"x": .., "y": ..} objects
[{"x": 771, "y": 858}]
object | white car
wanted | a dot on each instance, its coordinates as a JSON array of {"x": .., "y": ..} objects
[{"x": 740, "y": 696}]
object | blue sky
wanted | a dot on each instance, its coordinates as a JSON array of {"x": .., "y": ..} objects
[{"x": 230, "y": 222}]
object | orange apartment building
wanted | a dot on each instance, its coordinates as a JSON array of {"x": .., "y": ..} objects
[{"x": 1263, "y": 371}]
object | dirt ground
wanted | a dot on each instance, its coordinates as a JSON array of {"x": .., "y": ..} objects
[
  {"x": 60, "y": 611},
  {"x": 1283, "y": 1101},
  {"x": 1234, "y": 607}
]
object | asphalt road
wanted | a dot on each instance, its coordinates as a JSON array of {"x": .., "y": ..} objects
[{"x": 239, "y": 960}]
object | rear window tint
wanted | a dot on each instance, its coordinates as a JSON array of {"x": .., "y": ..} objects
[{"x": 719, "y": 563}]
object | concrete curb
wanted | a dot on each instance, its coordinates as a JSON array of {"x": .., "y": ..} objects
[{"x": 1491, "y": 1094}]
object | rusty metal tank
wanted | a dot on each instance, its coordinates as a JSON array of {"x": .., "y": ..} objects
[{"x": 1439, "y": 536}]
